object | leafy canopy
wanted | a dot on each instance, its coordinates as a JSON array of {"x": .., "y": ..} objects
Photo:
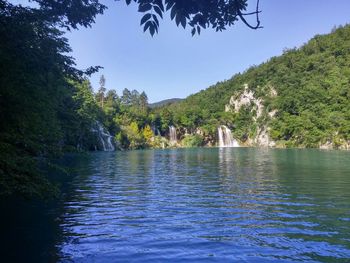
[{"x": 197, "y": 14}]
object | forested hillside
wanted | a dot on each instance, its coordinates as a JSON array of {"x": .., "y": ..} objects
[{"x": 312, "y": 105}]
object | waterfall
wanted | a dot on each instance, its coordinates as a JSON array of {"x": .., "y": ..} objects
[
  {"x": 104, "y": 137},
  {"x": 225, "y": 137},
  {"x": 172, "y": 134}
]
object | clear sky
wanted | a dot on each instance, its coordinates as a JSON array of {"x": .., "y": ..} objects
[{"x": 175, "y": 64}]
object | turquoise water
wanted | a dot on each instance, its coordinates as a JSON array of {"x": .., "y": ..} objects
[{"x": 215, "y": 205}]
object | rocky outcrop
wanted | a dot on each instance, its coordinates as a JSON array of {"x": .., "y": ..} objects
[
  {"x": 340, "y": 145},
  {"x": 245, "y": 99},
  {"x": 248, "y": 98},
  {"x": 263, "y": 138}
]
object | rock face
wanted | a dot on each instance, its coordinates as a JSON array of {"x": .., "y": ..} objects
[
  {"x": 326, "y": 146},
  {"x": 248, "y": 98},
  {"x": 263, "y": 138},
  {"x": 342, "y": 145},
  {"x": 245, "y": 99}
]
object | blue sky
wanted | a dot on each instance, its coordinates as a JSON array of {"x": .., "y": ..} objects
[{"x": 175, "y": 64}]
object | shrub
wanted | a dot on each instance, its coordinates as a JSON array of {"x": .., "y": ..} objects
[{"x": 192, "y": 141}]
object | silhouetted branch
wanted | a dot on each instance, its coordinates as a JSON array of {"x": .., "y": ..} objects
[{"x": 241, "y": 16}]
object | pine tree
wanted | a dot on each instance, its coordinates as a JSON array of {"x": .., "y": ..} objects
[
  {"x": 126, "y": 97},
  {"x": 102, "y": 90},
  {"x": 135, "y": 98},
  {"x": 143, "y": 101}
]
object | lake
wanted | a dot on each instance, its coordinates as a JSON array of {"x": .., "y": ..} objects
[{"x": 194, "y": 205}]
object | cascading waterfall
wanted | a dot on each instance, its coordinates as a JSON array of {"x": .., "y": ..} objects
[
  {"x": 225, "y": 137},
  {"x": 104, "y": 137},
  {"x": 172, "y": 134}
]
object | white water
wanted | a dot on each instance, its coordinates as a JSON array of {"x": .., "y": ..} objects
[
  {"x": 225, "y": 137},
  {"x": 104, "y": 137},
  {"x": 172, "y": 134}
]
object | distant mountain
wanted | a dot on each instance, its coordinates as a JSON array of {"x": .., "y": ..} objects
[{"x": 164, "y": 102}]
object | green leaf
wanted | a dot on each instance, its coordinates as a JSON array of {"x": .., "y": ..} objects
[
  {"x": 158, "y": 11},
  {"x": 152, "y": 29},
  {"x": 155, "y": 19},
  {"x": 193, "y": 32},
  {"x": 169, "y": 5},
  {"x": 159, "y": 3},
  {"x": 147, "y": 26},
  {"x": 144, "y": 7},
  {"x": 178, "y": 19},
  {"x": 145, "y": 18},
  {"x": 156, "y": 27},
  {"x": 183, "y": 21},
  {"x": 173, "y": 13}
]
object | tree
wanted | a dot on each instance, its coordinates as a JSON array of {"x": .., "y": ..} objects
[
  {"x": 68, "y": 14},
  {"x": 197, "y": 14},
  {"x": 143, "y": 101},
  {"x": 135, "y": 98},
  {"x": 126, "y": 97},
  {"x": 101, "y": 91},
  {"x": 166, "y": 117},
  {"x": 135, "y": 138},
  {"x": 148, "y": 134},
  {"x": 33, "y": 96},
  {"x": 111, "y": 98},
  {"x": 83, "y": 115}
]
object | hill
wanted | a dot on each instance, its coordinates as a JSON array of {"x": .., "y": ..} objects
[
  {"x": 298, "y": 99},
  {"x": 164, "y": 103}
]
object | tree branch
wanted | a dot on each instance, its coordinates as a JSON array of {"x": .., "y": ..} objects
[{"x": 257, "y": 12}]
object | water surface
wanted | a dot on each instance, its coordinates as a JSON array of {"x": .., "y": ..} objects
[{"x": 199, "y": 205}]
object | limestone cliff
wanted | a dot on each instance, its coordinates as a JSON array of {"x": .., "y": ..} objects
[{"x": 247, "y": 98}]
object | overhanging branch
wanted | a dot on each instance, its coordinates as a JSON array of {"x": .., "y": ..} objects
[{"x": 257, "y": 12}]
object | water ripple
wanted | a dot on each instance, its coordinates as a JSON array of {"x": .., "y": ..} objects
[{"x": 216, "y": 205}]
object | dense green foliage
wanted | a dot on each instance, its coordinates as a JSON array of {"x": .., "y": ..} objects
[
  {"x": 41, "y": 109},
  {"x": 312, "y": 102},
  {"x": 195, "y": 140}
]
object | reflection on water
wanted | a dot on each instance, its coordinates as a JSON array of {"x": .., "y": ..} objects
[{"x": 226, "y": 204}]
